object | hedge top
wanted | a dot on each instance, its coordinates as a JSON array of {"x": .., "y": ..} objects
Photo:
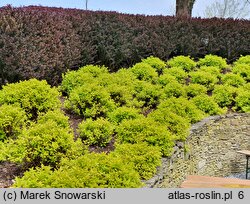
[{"x": 70, "y": 38}]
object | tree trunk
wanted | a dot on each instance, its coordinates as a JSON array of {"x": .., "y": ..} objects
[
  {"x": 184, "y": 8},
  {"x": 86, "y": 4}
]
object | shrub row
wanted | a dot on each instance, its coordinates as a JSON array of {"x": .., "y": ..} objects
[
  {"x": 70, "y": 38},
  {"x": 123, "y": 168},
  {"x": 141, "y": 111}
]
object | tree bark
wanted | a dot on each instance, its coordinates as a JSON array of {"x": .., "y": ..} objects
[
  {"x": 184, "y": 8},
  {"x": 86, "y": 4}
]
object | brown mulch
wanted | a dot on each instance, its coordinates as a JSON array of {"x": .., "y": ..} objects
[
  {"x": 226, "y": 70},
  {"x": 74, "y": 119},
  {"x": 8, "y": 171},
  {"x": 109, "y": 148}
]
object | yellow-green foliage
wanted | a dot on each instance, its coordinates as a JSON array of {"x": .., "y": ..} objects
[
  {"x": 204, "y": 78},
  {"x": 145, "y": 130},
  {"x": 147, "y": 94},
  {"x": 44, "y": 143},
  {"x": 156, "y": 63},
  {"x": 182, "y": 107},
  {"x": 120, "y": 86},
  {"x": 143, "y": 71},
  {"x": 243, "y": 99},
  {"x": 207, "y": 105},
  {"x": 33, "y": 96},
  {"x": 177, "y": 125},
  {"x": 12, "y": 120},
  {"x": 179, "y": 74},
  {"x": 144, "y": 158},
  {"x": 94, "y": 70},
  {"x": 214, "y": 61},
  {"x": 224, "y": 95},
  {"x": 193, "y": 90},
  {"x": 55, "y": 116},
  {"x": 215, "y": 71},
  {"x": 121, "y": 94},
  {"x": 233, "y": 80},
  {"x": 74, "y": 79},
  {"x": 90, "y": 101},
  {"x": 183, "y": 62},
  {"x": 243, "y": 60},
  {"x": 84, "y": 76},
  {"x": 142, "y": 110},
  {"x": 165, "y": 79},
  {"x": 89, "y": 171},
  {"x": 124, "y": 113},
  {"x": 98, "y": 132},
  {"x": 173, "y": 89},
  {"x": 243, "y": 70}
]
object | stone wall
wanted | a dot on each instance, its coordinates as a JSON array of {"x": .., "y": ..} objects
[{"x": 211, "y": 150}]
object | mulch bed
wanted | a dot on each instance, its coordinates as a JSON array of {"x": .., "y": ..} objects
[{"x": 8, "y": 171}]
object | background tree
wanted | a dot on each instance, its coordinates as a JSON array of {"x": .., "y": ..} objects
[
  {"x": 86, "y": 4},
  {"x": 228, "y": 9},
  {"x": 184, "y": 8}
]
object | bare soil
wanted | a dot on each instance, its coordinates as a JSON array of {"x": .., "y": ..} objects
[
  {"x": 74, "y": 121},
  {"x": 8, "y": 171}
]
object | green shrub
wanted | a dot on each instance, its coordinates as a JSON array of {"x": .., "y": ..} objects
[
  {"x": 207, "y": 105},
  {"x": 183, "y": 62},
  {"x": 193, "y": 90},
  {"x": 33, "y": 96},
  {"x": 124, "y": 113},
  {"x": 243, "y": 60},
  {"x": 243, "y": 70},
  {"x": 98, "y": 132},
  {"x": 177, "y": 125},
  {"x": 206, "y": 79},
  {"x": 174, "y": 89},
  {"x": 103, "y": 80},
  {"x": 215, "y": 71},
  {"x": 243, "y": 100},
  {"x": 89, "y": 171},
  {"x": 74, "y": 79},
  {"x": 122, "y": 95},
  {"x": 2, "y": 138},
  {"x": 213, "y": 60},
  {"x": 3, "y": 146},
  {"x": 165, "y": 79},
  {"x": 11, "y": 151},
  {"x": 121, "y": 86},
  {"x": 182, "y": 107},
  {"x": 144, "y": 158},
  {"x": 156, "y": 63},
  {"x": 144, "y": 71},
  {"x": 123, "y": 77},
  {"x": 132, "y": 131},
  {"x": 245, "y": 87},
  {"x": 145, "y": 130},
  {"x": 178, "y": 73},
  {"x": 84, "y": 76},
  {"x": 41, "y": 177},
  {"x": 233, "y": 80},
  {"x": 224, "y": 95},
  {"x": 12, "y": 120},
  {"x": 94, "y": 70},
  {"x": 147, "y": 94},
  {"x": 90, "y": 101},
  {"x": 56, "y": 116},
  {"x": 44, "y": 143}
]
